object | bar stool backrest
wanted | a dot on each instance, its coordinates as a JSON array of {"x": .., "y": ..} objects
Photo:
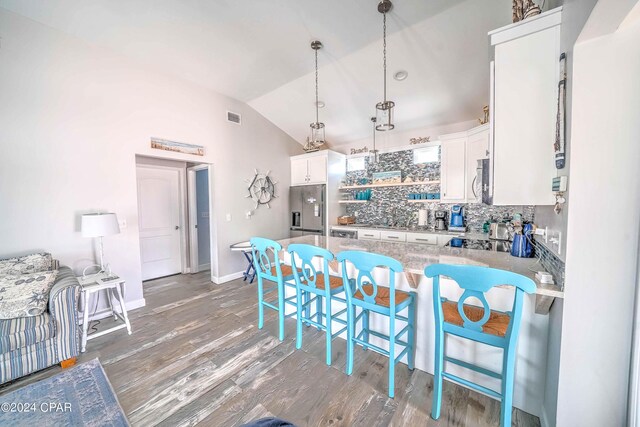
[
  {"x": 365, "y": 263},
  {"x": 475, "y": 281},
  {"x": 309, "y": 275},
  {"x": 265, "y": 257}
]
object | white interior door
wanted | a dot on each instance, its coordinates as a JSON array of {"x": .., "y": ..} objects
[{"x": 159, "y": 221}]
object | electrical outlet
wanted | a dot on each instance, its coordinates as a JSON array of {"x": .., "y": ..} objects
[
  {"x": 228, "y": 217},
  {"x": 554, "y": 240},
  {"x": 122, "y": 223}
]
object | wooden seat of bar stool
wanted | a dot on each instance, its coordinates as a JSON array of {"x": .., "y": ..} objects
[
  {"x": 315, "y": 285},
  {"x": 479, "y": 324}
]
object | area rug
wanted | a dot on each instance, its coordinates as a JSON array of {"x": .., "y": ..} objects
[{"x": 79, "y": 396}]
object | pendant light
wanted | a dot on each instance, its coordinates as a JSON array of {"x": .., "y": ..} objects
[
  {"x": 373, "y": 154},
  {"x": 384, "y": 109},
  {"x": 317, "y": 128}
]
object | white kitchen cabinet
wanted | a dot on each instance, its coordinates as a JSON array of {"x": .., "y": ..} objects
[
  {"x": 426, "y": 239},
  {"x": 525, "y": 94},
  {"x": 299, "y": 171},
  {"x": 453, "y": 168},
  {"x": 322, "y": 167},
  {"x": 393, "y": 236},
  {"x": 477, "y": 149},
  {"x": 459, "y": 162},
  {"x": 309, "y": 169},
  {"x": 317, "y": 169},
  {"x": 369, "y": 234}
]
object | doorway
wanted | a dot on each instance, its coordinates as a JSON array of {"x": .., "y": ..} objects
[
  {"x": 199, "y": 218},
  {"x": 174, "y": 205},
  {"x": 160, "y": 219}
]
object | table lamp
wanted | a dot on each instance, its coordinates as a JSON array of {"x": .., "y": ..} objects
[{"x": 100, "y": 225}]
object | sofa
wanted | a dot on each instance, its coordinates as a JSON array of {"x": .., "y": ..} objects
[{"x": 29, "y": 344}]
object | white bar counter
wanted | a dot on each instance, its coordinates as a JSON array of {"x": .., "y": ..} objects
[{"x": 532, "y": 342}]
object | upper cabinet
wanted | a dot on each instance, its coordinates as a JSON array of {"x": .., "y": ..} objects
[
  {"x": 309, "y": 169},
  {"x": 459, "y": 173},
  {"x": 453, "y": 168},
  {"x": 299, "y": 171},
  {"x": 317, "y": 167},
  {"x": 477, "y": 149},
  {"x": 525, "y": 90}
]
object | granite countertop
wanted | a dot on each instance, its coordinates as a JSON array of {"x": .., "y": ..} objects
[{"x": 415, "y": 257}]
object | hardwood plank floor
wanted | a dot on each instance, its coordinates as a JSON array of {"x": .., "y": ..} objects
[{"x": 197, "y": 357}]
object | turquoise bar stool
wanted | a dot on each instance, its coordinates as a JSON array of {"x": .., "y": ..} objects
[
  {"x": 364, "y": 293},
  {"x": 268, "y": 267},
  {"x": 480, "y": 324},
  {"x": 324, "y": 288}
]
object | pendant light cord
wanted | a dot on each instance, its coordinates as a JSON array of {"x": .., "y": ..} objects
[
  {"x": 317, "y": 120},
  {"x": 384, "y": 52}
]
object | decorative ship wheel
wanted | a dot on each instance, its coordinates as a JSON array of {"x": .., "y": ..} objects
[{"x": 262, "y": 189}]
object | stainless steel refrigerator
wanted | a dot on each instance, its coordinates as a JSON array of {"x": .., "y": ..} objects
[{"x": 306, "y": 214}]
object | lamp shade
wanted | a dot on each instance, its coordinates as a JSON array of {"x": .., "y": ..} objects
[{"x": 99, "y": 224}]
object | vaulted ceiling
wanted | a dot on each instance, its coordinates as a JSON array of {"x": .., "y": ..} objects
[{"x": 258, "y": 51}]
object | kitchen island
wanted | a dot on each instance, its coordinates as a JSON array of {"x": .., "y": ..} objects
[{"x": 532, "y": 343}]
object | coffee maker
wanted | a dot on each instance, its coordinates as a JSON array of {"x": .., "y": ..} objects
[
  {"x": 440, "y": 220},
  {"x": 456, "y": 219}
]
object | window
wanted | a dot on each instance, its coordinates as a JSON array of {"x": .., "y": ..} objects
[
  {"x": 355, "y": 164},
  {"x": 427, "y": 154}
]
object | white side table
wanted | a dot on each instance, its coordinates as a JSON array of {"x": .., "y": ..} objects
[{"x": 111, "y": 284}]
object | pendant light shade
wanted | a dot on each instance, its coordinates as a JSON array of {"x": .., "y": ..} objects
[
  {"x": 316, "y": 138},
  {"x": 317, "y": 133},
  {"x": 373, "y": 154},
  {"x": 384, "y": 109},
  {"x": 384, "y": 115}
]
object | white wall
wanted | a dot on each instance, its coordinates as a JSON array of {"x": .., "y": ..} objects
[
  {"x": 601, "y": 271},
  {"x": 574, "y": 16},
  {"x": 72, "y": 119}
]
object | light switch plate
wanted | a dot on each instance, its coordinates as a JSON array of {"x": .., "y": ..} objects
[{"x": 228, "y": 217}]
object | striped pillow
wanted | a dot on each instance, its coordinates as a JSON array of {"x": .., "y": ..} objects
[{"x": 25, "y": 295}]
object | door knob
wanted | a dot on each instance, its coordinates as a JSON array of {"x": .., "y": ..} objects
[{"x": 177, "y": 227}]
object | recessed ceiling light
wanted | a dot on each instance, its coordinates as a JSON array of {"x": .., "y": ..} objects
[
  {"x": 320, "y": 104},
  {"x": 400, "y": 75}
]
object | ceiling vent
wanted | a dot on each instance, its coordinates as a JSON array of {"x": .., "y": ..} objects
[{"x": 234, "y": 117}]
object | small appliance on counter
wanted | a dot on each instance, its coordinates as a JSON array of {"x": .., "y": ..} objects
[
  {"x": 522, "y": 246},
  {"x": 456, "y": 219},
  {"x": 499, "y": 231},
  {"x": 441, "y": 224}
]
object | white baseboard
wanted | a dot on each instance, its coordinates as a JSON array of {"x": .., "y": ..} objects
[
  {"x": 227, "y": 278},
  {"x": 101, "y": 314}
]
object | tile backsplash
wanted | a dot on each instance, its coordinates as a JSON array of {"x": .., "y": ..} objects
[
  {"x": 390, "y": 203},
  {"x": 550, "y": 262}
]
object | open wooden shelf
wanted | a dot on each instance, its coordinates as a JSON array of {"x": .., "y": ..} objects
[
  {"x": 424, "y": 200},
  {"x": 353, "y": 201},
  {"x": 400, "y": 184}
]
